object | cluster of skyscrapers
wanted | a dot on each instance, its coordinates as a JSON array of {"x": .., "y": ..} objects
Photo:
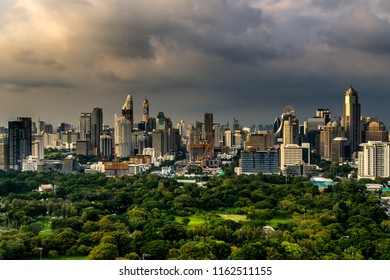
[
  {"x": 351, "y": 138},
  {"x": 286, "y": 147}
]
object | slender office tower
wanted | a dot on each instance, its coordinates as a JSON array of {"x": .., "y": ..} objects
[
  {"x": 351, "y": 118},
  {"x": 145, "y": 111},
  {"x": 290, "y": 126},
  {"x": 208, "y": 126},
  {"x": 19, "y": 141},
  {"x": 127, "y": 110},
  {"x": 96, "y": 129},
  {"x": 85, "y": 125}
]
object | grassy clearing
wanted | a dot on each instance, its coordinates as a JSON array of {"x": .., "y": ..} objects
[
  {"x": 45, "y": 233},
  {"x": 46, "y": 228},
  {"x": 200, "y": 219},
  {"x": 275, "y": 221},
  {"x": 236, "y": 218},
  {"x": 46, "y": 224},
  {"x": 195, "y": 220}
]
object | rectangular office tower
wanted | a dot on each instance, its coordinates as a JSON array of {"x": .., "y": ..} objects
[
  {"x": 19, "y": 141},
  {"x": 266, "y": 162},
  {"x": 96, "y": 129}
]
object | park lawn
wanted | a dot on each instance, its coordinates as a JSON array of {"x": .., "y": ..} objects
[
  {"x": 46, "y": 229},
  {"x": 46, "y": 224},
  {"x": 45, "y": 233},
  {"x": 200, "y": 219},
  {"x": 275, "y": 221},
  {"x": 195, "y": 220},
  {"x": 236, "y": 218}
]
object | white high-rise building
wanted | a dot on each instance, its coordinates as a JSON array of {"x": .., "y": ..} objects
[
  {"x": 293, "y": 154},
  {"x": 122, "y": 136},
  {"x": 374, "y": 160}
]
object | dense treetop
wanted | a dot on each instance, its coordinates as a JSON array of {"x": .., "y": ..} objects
[{"x": 132, "y": 217}]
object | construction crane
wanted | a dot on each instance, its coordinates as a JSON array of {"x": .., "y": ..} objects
[{"x": 207, "y": 147}]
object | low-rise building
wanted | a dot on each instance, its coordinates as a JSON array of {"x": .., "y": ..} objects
[
  {"x": 114, "y": 169},
  {"x": 46, "y": 188}
]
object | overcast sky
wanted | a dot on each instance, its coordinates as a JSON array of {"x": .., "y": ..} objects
[{"x": 241, "y": 58}]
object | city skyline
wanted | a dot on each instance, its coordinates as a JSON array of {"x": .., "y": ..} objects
[
  {"x": 245, "y": 60},
  {"x": 139, "y": 113}
]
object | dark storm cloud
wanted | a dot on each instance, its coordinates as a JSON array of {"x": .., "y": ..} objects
[
  {"x": 244, "y": 58},
  {"x": 29, "y": 56},
  {"x": 361, "y": 29},
  {"x": 29, "y": 81},
  {"x": 223, "y": 28}
]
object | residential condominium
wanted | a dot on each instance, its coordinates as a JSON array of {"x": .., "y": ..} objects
[{"x": 374, "y": 160}]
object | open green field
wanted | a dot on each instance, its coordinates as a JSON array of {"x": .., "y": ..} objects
[
  {"x": 275, "y": 221},
  {"x": 46, "y": 228},
  {"x": 195, "y": 220},
  {"x": 200, "y": 219},
  {"x": 45, "y": 233},
  {"x": 236, "y": 218}
]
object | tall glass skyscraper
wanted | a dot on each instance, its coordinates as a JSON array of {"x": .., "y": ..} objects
[
  {"x": 351, "y": 118},
  {"x": 96, "y": 129},
  {"x": 19, "y": 141}
]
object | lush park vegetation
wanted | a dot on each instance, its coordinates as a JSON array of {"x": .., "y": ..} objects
[{"x": 90, "y": 216}]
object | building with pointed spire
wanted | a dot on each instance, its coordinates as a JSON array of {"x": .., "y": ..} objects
[
  {"x": 127, "y": 110},
  {"x": 145, "y": 111},
  {"x": 351, "y": 118}
]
